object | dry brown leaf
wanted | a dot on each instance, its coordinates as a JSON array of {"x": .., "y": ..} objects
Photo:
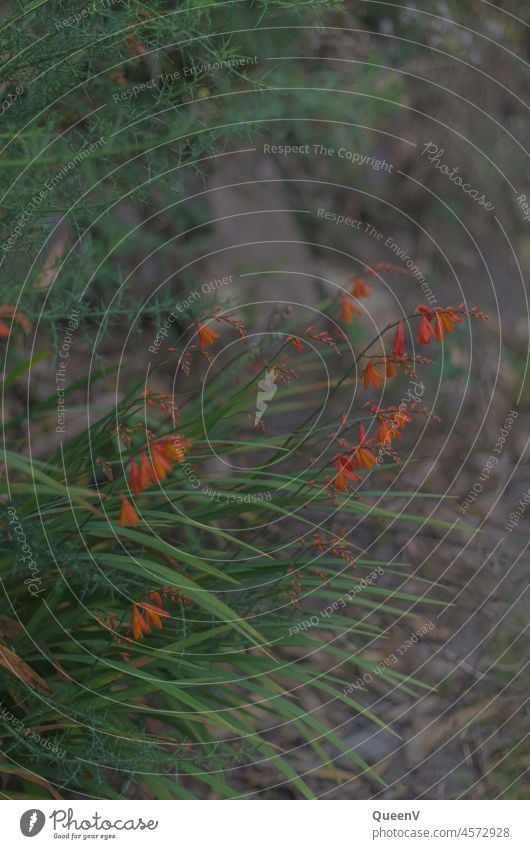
[
  {"x": 10, "y": 628},
  {"x": 13, "y": 663}
]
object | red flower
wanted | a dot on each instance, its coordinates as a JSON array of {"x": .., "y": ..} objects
[
  {"x": 362, "y": 434},
  {"x": 360, "y": 288},
  {"x": 296, "y": 343},
  {"x": 348, "y": 309},
  {"x": 455, "y": 318},
  {"x": 443, "y": 319},
  {"x": 371, "y": 376},
  {"x": 343, "y": 463},
  {"x": 361, "y": 457},
  {"x": 206, "y": 335},
  {"x": 440, "y": 328},
  {"x": 399, "y": 342},
  {"x": 425, "y": 331},
  {"x": 128, "y": 515}
]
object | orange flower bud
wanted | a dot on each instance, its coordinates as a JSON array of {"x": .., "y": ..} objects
[
  {"x": 360, "y": 289},
  {"x": 128, "y": 515},
  {"x": 425, "y": 331},
  {"x": 348, "y": 309},
  {"x": 399, "y": 342}
]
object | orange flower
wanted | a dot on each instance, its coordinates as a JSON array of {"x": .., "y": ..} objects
[
  {"x": 442, "y": 325},
  {"x": 139, "y": 625},
  {"x": 340, "y": 482},
  {"x": 371, "y": 376},
  {"x": 343, "y": 463},
  {"x": 161, "y": 466},
  {"x": 455, "y": 318},
  {"x": 174, "y": 447},
  {"x": 443, "y": 319},
  {"x": 145, "y": 616},
  {"x": 425, "y": 331},
  {"x": 400, "y": 418},
  {"x": 360, "y": 288},
  {"x": 390, "y": 369},
  {"x": 154, "y": 613},
  {"x": 363, "y": 458},
  {"x": 348, "y": 309},
  {"x": 296, "y": 343},
  {"x": 387, "y": 266},
  {"x": 145, "y": 473},
  {"x": 443, "y": 322},
  {"x": 164, "y": 452},
  {"x": 155, "y": 595},
  {"x": 399, "y": 342},
  {"x": 134, "y": 478},
  {"x": 385, "y": 433},
  {"x": 128, "y": 515},
  {"x": 206, "y": 335}
]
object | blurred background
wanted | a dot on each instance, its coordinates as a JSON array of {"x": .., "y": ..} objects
[{"x": 287, "y": 146}]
